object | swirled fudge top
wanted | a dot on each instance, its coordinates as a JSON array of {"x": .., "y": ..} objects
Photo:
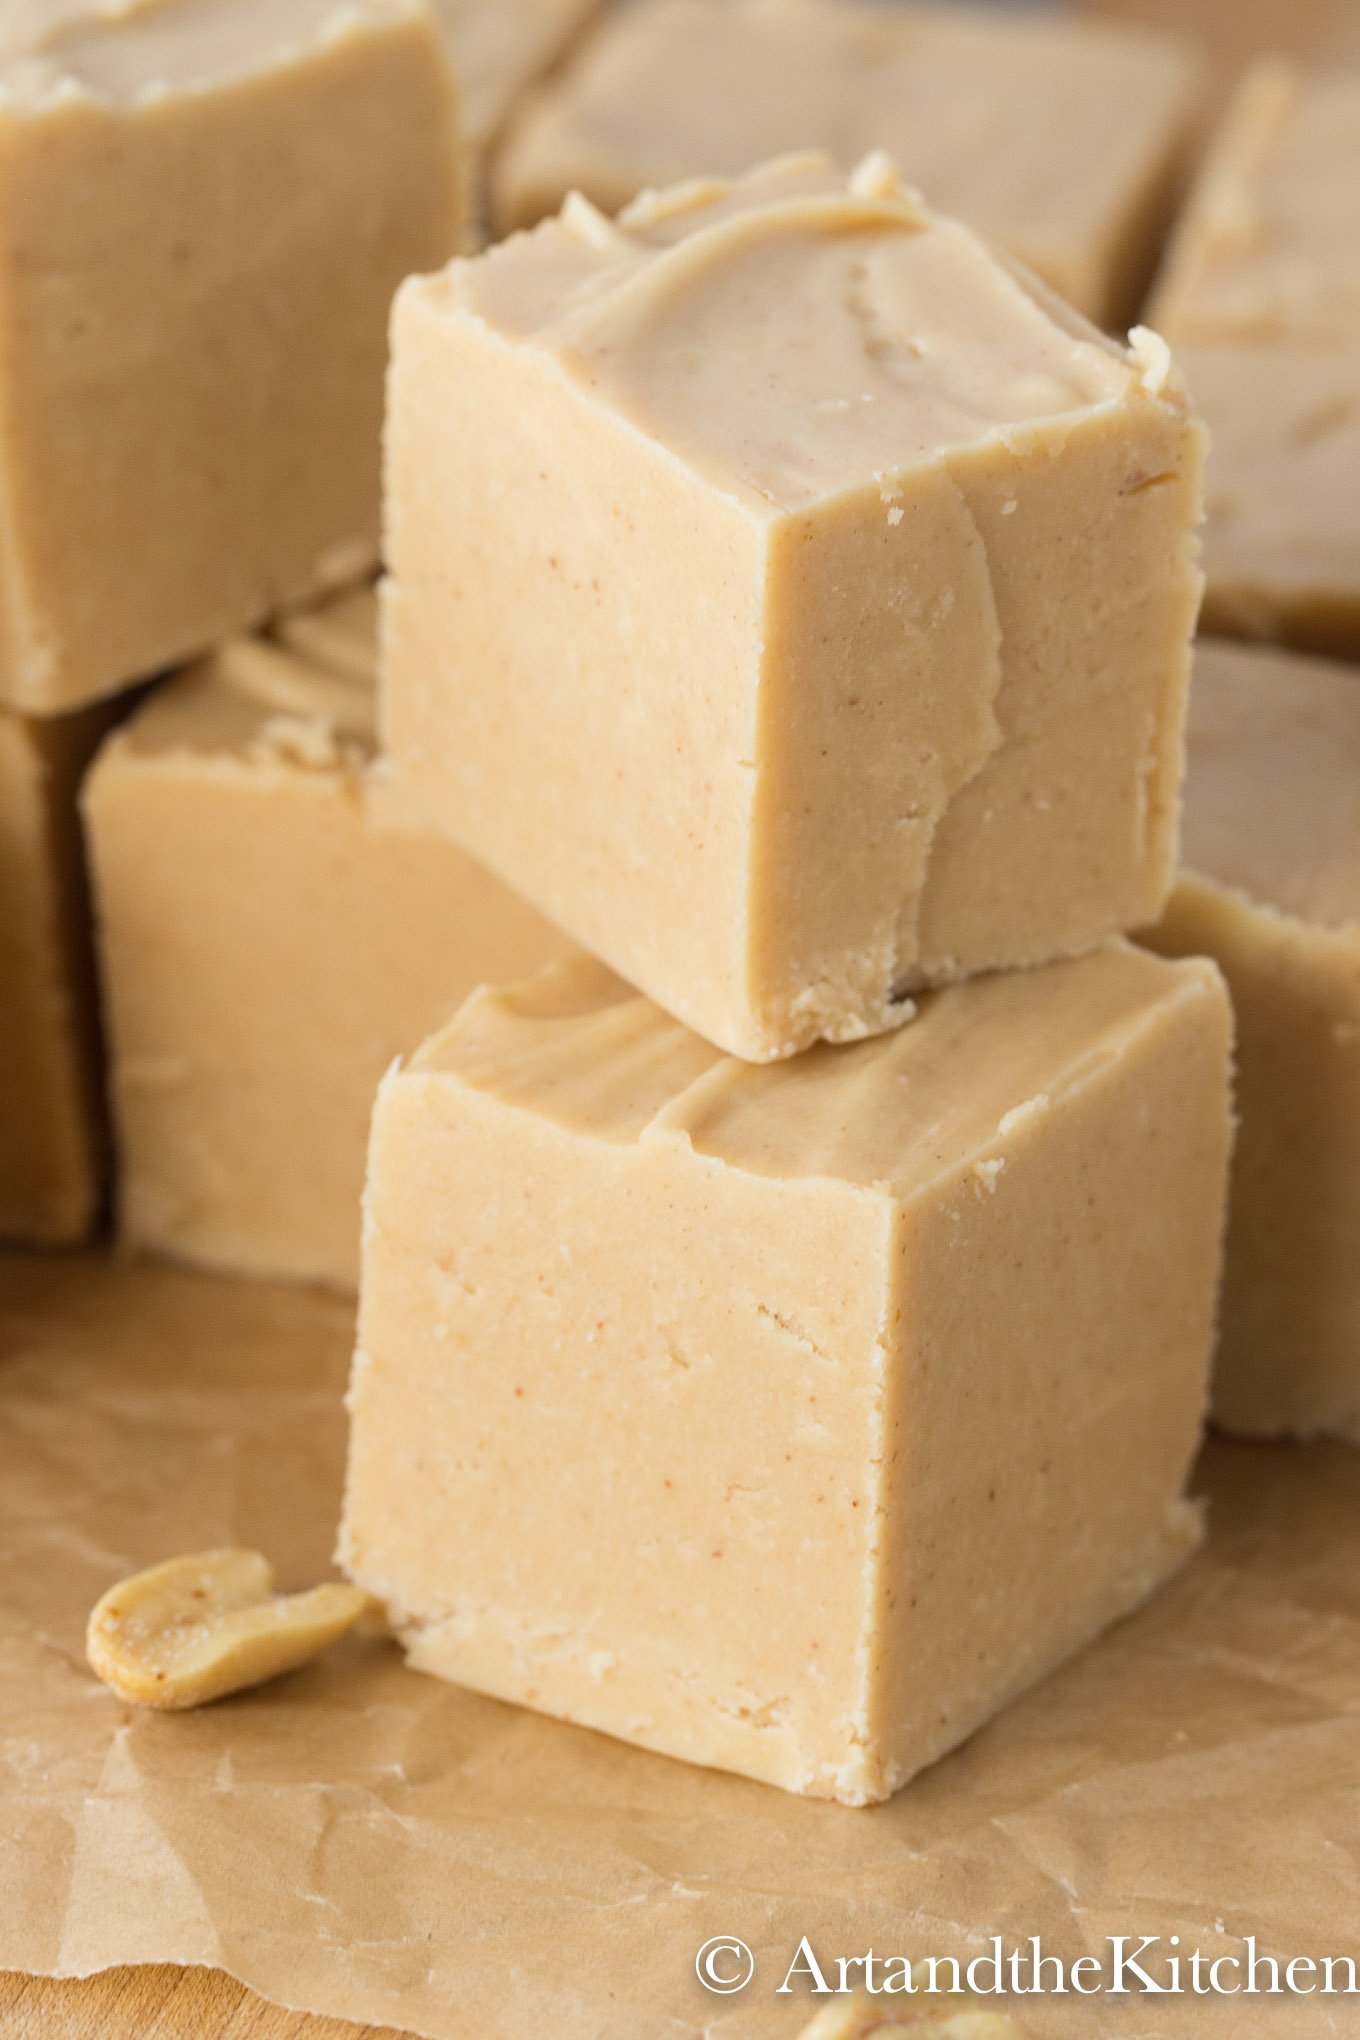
[
  {"x": 136, "y": 52},
  {"x": 798, "y": 333}
]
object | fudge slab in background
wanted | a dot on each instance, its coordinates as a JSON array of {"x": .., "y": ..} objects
[
  {"x": 273, "y": 930},
  {"x": 1062, "y": 140},
  {"x": 500, "y": 47},
  {"x": 1282, "y": 538},
  {"x": 204, "y": 211},
  {"x": 1232, "y": 35},
  {"x": 51, "y": 1147},
  {"x": 1261, "y": 300},
  {"x": 1272, "y": 893},
  {"x": 789, "y": 598},
  {"x": 788, "y": 1419},
  {"x": 1269, "y": 246}
]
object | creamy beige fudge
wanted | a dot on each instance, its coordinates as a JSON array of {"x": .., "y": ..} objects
[
  {"x": 1341, "y": 41},
  {"x": 790, "y": 597},
  {"x": 1065, "y": 141},
  {"x": 1282, "y": 542},
  {"x": 500, "y": 47},
  {"x": 274, "y": 929},
  {"x": 1272, "y": 893},
  {"x": 1234, "y": 34},
  {"x": 788, "y": 1419},
  {"x": 50, "y": 1131},
  {"x": 1269, "y": 246},
  {"x": 1262, "y": 301},
  {"x": 205, "y": 207}
]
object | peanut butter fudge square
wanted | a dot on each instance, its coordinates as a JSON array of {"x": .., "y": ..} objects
[
  {"x": 1272, "y": 892},
  {"x": 1262, "y": 301},
  {"x": 1061, "y": 139},
  {"x": 1268, "y": 247},
  {"x": 790, "y": 597},
  {"x": 274, "y": 929},
  {"x": 788, "y": 1419},
  {"x": 1282, "y": 538},
  {"x": 205, "y": 207}
]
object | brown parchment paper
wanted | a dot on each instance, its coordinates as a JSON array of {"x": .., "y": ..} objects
[{"x": 363, "y": 1841}]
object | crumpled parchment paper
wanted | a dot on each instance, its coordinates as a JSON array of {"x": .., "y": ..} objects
[{"x": 363, "y": 1841}]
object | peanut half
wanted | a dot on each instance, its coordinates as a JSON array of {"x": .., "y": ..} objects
[
  {"x": 199, "y": 1627},
  {"x": 954, "y": 2018}
]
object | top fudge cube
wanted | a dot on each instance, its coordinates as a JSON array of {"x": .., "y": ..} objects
[
  {"x": 204, "y": 211},
  {"x": 790, "y": 597}
]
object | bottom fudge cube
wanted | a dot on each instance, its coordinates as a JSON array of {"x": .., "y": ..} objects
[
  {"x": 788, "y": 1419},
  {"x": 274, "y": 928},
  {"x": 50, "y": 1133},
  {"x": 1272, "y": 893}
]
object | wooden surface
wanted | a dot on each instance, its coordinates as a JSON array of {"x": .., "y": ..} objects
[{"x": 157, "y": 2004}]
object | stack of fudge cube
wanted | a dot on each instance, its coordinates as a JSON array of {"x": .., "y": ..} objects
[
  {"x": 787, "y": 1296},
  {"x": 784, "y": 1330}
]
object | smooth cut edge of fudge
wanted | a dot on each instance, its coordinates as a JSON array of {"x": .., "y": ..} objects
[
  {"x": 619, "y": 1122},
  {"x": 554, "y": 310}
]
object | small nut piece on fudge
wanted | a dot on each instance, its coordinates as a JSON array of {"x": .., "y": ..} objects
[
  {"x": 788, "y": 1419},
  {"x": 790, "y": 597}
]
